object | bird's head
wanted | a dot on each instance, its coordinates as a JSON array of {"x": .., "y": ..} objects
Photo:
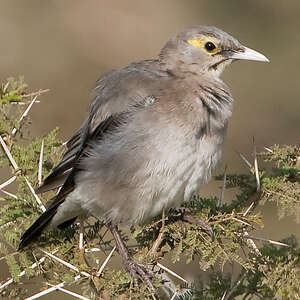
[{"x": 205, "y": 49}]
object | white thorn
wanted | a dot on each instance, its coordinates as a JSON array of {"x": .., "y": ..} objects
[
  {"x": 7, "y": 182},
  {"x": 256, "y": 169},
  {"x": 105, "y": 262},
  {"x": 34, "y": 265},
  {"x": 41, "y": 163},
  {"x": 245, "y": 160},
  {"x": 268, "y": 149},
  {"x": 50, "y": 290},
  {"x": 9, "y": 194},
  {"x": 223, "y": 297},
  {"x": 248, "y": 209},
  {"x": 70, "y": 293},
  {"x": 223, "y": 188},
  {"x": 65, "y": 263},
  {"x": 7, "y": 152},
  {"x": 171, "y": 272},
  {"x": 24, "y": 114},
  {"x": 38, "y": 200}
]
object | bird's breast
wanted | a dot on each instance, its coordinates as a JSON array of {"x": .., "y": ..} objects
[{"x": 183, "y": 169}]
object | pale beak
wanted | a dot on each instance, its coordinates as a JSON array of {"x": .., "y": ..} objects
[{"x": 248, "y": 54}]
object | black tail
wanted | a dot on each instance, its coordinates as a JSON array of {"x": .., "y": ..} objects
[{"x": 38, "y": 226}]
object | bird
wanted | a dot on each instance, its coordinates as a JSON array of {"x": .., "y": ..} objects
[{"x": 154, "y": 134}]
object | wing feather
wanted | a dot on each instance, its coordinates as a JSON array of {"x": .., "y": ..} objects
[{"x": 118, "y": 95}]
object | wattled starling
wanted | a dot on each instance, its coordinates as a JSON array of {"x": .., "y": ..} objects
[{"x": 153, "y": 135}]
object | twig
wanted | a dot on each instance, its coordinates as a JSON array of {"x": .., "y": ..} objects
[
  {"x": 15, "y": 166},
  {"x": 171, "y": 272},
  {"x": 41, "y": 163},
  {"x": 5, "y": 87},
  {"x": 268, "y": 149},
  {"x": 9, "y": 194},
  {"x": 25, "y": 114},
  {"x": 227, "y": 217},
  {"x": 232, "y": 290},
  {"x": 42, "y": 206},
  {"x": 70, "y": 266},
  {"x": 248, "y": 209},
  {"x": 99, "y": 272},
  {"x": 256, "y": 167},
  {"x": 38, "y": 93},
  {"x": 10, "y": 281},
  {"x": 7, "y": 182},
  {"x": 223, "y": 297},
  {"x": 45, "y": 292},
  {"x": 92, "y": 250},
  {"x": 109, "y": 248},
  {"x": 8, "y": 154},
  {"x": 81, "y": 231},
  {"x": 22, "y": 102},
  {"x": 69, "y": 292},
  {"x": 241, "y": 221},
  {"x": 221, "y": 199},
  {"x": 50, "y": 290},
  {"x": 245, "y": 160},
  {"x": 174, "y": 295},
  {"x": 159, "y": 239},
  {"x": 34, "y": 265},
  {"x": 270, "y": 192},
  {"x": 247, "y": 236}
]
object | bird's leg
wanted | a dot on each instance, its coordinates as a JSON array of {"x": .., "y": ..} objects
[
  {"x": 204, "y": 225},
  {"x": 135, "y": 269}
]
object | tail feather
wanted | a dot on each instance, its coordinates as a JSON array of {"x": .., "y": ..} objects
[
  {"x": 52, "y": 183},
  {"x": 38, "y": 226}
]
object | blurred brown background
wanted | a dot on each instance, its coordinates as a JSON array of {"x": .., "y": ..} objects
[{"x": 65, "y": 45}]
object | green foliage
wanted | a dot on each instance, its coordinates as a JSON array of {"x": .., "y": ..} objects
[
  {"x": 275, "y": 275},
  {"x": 14, "y": 267},
  {"x": 280, "y": 270},
  {"x": 12, "y": 90},
  {"x": 283, "y": 184},
  {"x": 266, "y": 271}
]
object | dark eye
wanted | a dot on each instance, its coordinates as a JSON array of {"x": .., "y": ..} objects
[{"x": 209, "y": 46}]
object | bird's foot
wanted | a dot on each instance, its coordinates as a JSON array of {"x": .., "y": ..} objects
[{"x": 136, "y": 270}]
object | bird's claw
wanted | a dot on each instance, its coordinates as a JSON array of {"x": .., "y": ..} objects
[{"x": 138, "y": 270}]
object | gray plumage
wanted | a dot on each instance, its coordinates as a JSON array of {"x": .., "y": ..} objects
[{"x": 154, "y": 134}]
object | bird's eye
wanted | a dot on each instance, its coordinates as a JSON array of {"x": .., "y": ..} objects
[{"x": 209, "y": 46}]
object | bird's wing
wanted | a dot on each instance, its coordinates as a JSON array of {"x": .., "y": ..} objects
[
  {"x": 62, "y": 170},
  {"x": 116, "y": 93}
]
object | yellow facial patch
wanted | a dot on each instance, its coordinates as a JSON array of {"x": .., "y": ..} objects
[{"x": 202, "y": 41}]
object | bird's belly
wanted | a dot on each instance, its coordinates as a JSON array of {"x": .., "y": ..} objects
[
  {"x": 163, "y": 182},
  {"x": 179, "y": 184}
]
